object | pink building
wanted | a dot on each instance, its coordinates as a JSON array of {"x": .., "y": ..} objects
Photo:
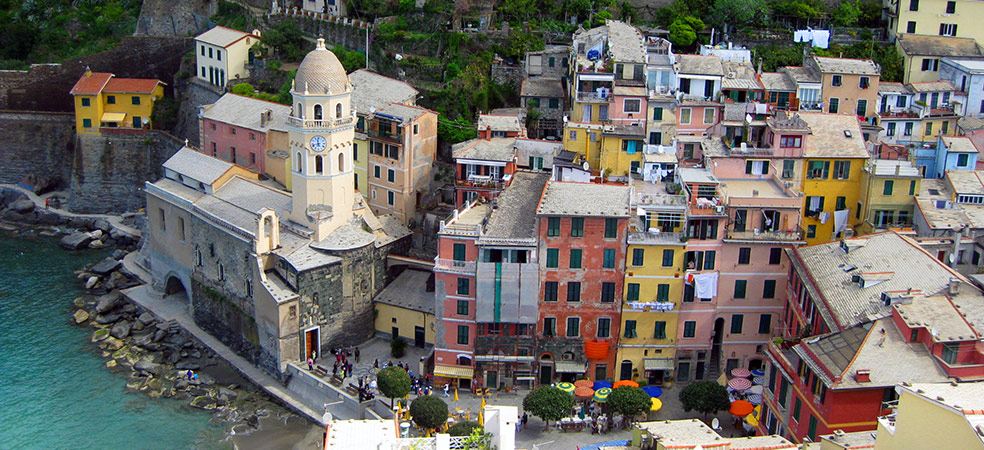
[
  {"x": 629, "y": 106},
  {"x": 243, "y": 130}
]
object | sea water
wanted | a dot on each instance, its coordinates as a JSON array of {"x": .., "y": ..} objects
[{"x": 55, "y": 392}]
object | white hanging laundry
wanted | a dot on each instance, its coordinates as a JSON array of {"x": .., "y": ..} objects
[
  {"x": 824, "y": 216},
  {"x": 821, "y": 38},
  {"x": 814, "y": 203},
  {"x": 840, "y": 220},
  {"x": 705, "y": 285},
  {"x": 761, "y": 108}
]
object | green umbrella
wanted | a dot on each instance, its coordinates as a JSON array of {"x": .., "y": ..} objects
[
  {"x": 566, "y": 387},
  {"x": 601, "y": 395}
]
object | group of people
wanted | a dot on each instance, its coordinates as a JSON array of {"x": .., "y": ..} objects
[{"x": 342, "y": 362}]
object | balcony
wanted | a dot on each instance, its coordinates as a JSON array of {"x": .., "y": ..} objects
[
  {"x": 595, "y": 97},
  {"x": 385, "y": 135},
  {"x": 320, "y": 123},
  {"x": 924, "y": 110},
  {"x": 481, "y": 181},
  {"x": 655, "y": 238},
  {"x": 455, "y": 266},
  {"x": 755, "y": 235}
]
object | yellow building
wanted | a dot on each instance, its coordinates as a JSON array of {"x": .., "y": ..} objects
[
  {"x": 406, "y": 308},
  {"x": 935, "y": 17},
  {"x": 661, "y": 119},
  {"x": 621, "y": 149},
  {"x": 584, "y": 139},
  {"x": 921, "y": 54},
  {"x": 888, "y": 188},
  {"x": 103, "y": 101},
  {"x": 834, "y": 156},
  {"x": 934, "y": 415}
]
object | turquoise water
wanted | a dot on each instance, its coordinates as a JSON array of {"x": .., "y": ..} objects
[{"x": 55, "y": 392}]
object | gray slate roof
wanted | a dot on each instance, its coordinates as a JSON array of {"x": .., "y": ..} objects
[
  {"x": 495, "y": 149},
  {"x": 699, "y": 65},
  {"x": 197, "y": 165},
  {"x": 371, "y": 90},
  {"x": 891, "y": 87},
  {"x": 499, "y": 123},
  {"x": 625, "y": 42},
  {"x": 222, "y": 36},
  {"x": 245, "y": 112},
  {"x": 777, "y": 81},
  {"x": 407, "y": 113},
  {"x": 515, "y": 214},
  {"x": 929, "y": 45},
  {"x": 541, "y": 87},
  {"x": 409, "y": 290},
  {"x": 801, "y": 74},
  {"x": 564, "y": 198},
  {"x": 848, "y": 66},
  {"x": 239, "y": 203}
]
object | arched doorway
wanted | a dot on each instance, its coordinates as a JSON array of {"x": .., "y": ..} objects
[
  {"x": 546, "y": 369},
  {"x": 626, "y": 370},
  {"x": 755, "y": 364},
  {"x": 173, "y": 286}
]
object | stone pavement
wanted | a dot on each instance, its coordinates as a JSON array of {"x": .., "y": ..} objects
[{"x": 115, "y": 221}]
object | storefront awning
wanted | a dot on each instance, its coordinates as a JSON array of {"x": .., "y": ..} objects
[
  {"x": 569, "y": 367},
  {"x": 453, "y": 371},
  {"x": 113, "y": 117},
  {"x": 658, "y": 363}
]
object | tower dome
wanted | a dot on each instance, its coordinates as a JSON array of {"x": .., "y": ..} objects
[{"x": 321, "y": 73}]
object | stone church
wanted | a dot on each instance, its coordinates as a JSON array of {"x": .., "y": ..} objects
[{"x": 276, "y": 275}]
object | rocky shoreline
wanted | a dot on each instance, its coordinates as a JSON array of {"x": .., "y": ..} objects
[{"x": 155, "y": 355}]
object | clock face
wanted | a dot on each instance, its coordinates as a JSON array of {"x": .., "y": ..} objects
[{"x": 318, "y": 143}]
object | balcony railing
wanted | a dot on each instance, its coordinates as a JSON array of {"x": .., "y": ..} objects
[
  {"x": 594, "y": 97},
  {"x": 320, "y": 123},
  {"x": 396, "y": 137},
  {"x": 455, "y": 266},
  {"x": 753, "y": 235}
]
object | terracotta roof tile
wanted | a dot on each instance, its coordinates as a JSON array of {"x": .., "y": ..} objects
[
  {"x": 135, "y": 85},
  {"x": 91, "y": 83}
]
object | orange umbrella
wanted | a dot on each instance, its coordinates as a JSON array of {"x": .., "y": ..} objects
[
  {"x": 621, "y": 383},
  {"x": 583, "y": 392},
  {"x": 583, "y": 383},
  {"x": 741, "y": 408}
]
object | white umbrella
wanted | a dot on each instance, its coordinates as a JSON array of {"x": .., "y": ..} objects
[{"x": 757, "y": 389}]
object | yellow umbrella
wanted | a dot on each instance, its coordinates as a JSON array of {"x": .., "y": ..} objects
[
  {"x": 481, "y": 415},
  {"x": 483, "y": 405},
  {"x": 657, "y": 404},
  {"x": 455, "y": 394},
  {"x": 566, "y": 387}
]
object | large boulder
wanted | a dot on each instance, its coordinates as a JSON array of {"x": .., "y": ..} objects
[
  {"x": 23, "y": 206},
  {"x": 121, "y": 329},
  {"x": 143, "y": 340},
  {"x": 108, "y": 302},
  {"x": 76, "y": 240},
  {"x": 106, "y": 319},
  {"x": 49, "y": 218},
  {"x": 187, "y": 365},
  {"x": 102, "y": 224},
  {"x": 81, "y": 316},
  {"x": 147, "y": 367},
  {"x": 146, "y": 318},
  {"x": 228, "y": 393},
  {"x": 203, "y": 402}
]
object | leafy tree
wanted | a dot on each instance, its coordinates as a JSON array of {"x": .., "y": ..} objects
[
  {"x": 164, "y": 114},
  {"x": 775, "y": 56},
  {"x": 455, "y": 131},
  {"x": 683, "y": 31},
  {"x": 464, "y": 428},
  {"x": 629, "y": 401},
  {"x": 705, "y": 397},
  {"x": 599, "y": 18},
  {"x": 478, "y": 440},
  {"x": 351, "y": 60},
  {"x": 398, "y": 347},
  {"x": 287, "y": 40},
  {"x": 429, "y": 411},
  {"x": 729, "y": 14},
  {"x": 393, "y": 382},
  {"x": 800, "y": 9},
  {"x": 548, "y": 403},
  {"x": 243, "y": 89},
  {"x": 847, "y": 14}
]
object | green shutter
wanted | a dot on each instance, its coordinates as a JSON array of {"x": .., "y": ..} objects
[
  {"x": 575, "y": 258},
  {"x": 552, "y": 254},
  {"x": 611, "y": 228},
  {"x": 740, "y": 286},
  {"x": 796, "y": 409},
  {"x": 737, "y": 321},
  {"x": 657, "y": 113},
  {"x": 632, "y": 292},
  {"x": 887, "y": 189},
  {"x": 765, "y": 324},
  {"x": 709, "y": 260},
  {"x": 459, "y": 252},
  {"x": 667, "y": 258},
  {"x": 663, "y": 293},
  {"x": 577, "y": 227},
  {"x": 689, "y": 329},
  {"x": 609, "y": 258},
  {"x": 769, "y": 289},
  {"x": 630, "y": 329}
]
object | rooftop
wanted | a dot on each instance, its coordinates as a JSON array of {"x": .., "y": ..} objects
[
  {"x": 688, "y": 434},
  {"x": 699, "y": 65},
  {"x": 932, "y": 86},
  {"x": 974, "y": 66},
  {"x": 541, "y": 87},
  {"x": 625, "y": 42},
  {"x": 828, "y": 137},
  {"x": 892, "y": 167},
  {"x": 959, "y": 144},
  {"x": 91, "y": 83},
  {"x": 514, "y": 216},
  {"x": 348, "y": 434},
  {"x": 934, "y": 204},
  {"x": 891, "y": 87},
  {"x": 405, "y": 113},
  {"x": 493, "y": 149},
  {"x": 970, "y": 123},
  {"x": 744, "y": 76},
  {"x": 692, "y": 175},
  {"x": 409, "y": 291},
  {"x": 468, "y": 220},
  {"x": 132, "y": 85},
  {"x": 371, "y": 91},
  {"x": 238, "y": 202},
  {"x": 771, "y": 442},
  {"x": 966, "y": 398},
  {"x": 845, "y": 302},
  {"x": 197, "y": 166},
  {"x": 246, "y": 112},
  {"x": 924, "y": 44},
  {"x": 938, "y": 314},
  {"x": 966, "y": 181},
  {"x": 801, "y": 74},
  {"x": 848, "y": 66},
  {"x": 855, "y": 440},
  {"x": 777, "y": 81},
  {"x": 223, "y": 37},
  {"x": 562, "y": 198},
  {"x": 751, "y": 187},
  {"x": 499, "y": 123}
]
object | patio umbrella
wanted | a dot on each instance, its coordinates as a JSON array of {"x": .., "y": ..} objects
[
  {"x": 583, "y": 383},
  {"x": 621, "y": 383},
  {"x": 601, "y": 384},
  {"x": 657, "y": 404},
  {"x": 741, "y": 408},
  {"x": 483, "y": 403},
  {"x": 455, "y": 394},
  {"x": 740, "y": 384},
  {"x": 723, "y": 379},
  {"x": 583, "y": 393},
  {"x": 755, "y": 399},
  {"x": 740, "y": 372},
  {"x": 653, "y": 391},
  {"x": 757, "y": 389},
  {"x": 566, "y": 387},
  {"x": 758, "y": 380},
  {"x": 601, "y": 395},
  {"x": 758, "y": 373}
]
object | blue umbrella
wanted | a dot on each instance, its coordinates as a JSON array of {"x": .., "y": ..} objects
[
  {"x": 758, "y": 372},
  {"x": 653, "y": 391},
  {"x": 601, "y": 384}
]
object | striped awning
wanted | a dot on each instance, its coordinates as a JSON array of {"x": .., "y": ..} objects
[
  {"x": 113, "y": 117},
  {"x": 569, "y": 367},
  {"x": 453, "y": 371},
  {"x": 658, "y": 363}
]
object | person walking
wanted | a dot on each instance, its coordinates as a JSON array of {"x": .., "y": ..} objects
[
  {"x": 447, "y": 389},
  {"x": 310, "y": 362},
  {"x": 526, "y": 418},
  {"x": 357, "y": 354}
]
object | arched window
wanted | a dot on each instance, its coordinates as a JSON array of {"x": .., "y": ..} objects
[
  {"x": 317, "y": 112},
  {"x": 299, "y": 113},
  {"x": 297, "y": 163},
  {"x": 338, "y": 110},
  {"x": 341, "y": 162},
  {"x": 463, "y": 361},
  {"x": 319, "y": 166}
]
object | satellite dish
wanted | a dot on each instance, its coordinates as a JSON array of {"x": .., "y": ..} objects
[
  {"x": 586, "y": 166},
  {"x": 934, "y": 332},
  {"x": 716, "y": 424}
]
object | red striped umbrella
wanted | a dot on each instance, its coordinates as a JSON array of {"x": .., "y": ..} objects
[
  {"x": 584, "y": 392},
  {"x": 740, "y": 384},
  {"x": 740, "y": 372}
]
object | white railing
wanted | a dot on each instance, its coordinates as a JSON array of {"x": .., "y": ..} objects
[
  {"x": 451, "y": 265},
  {"x": 415, "y": 444},
  {"x": 594, "y": 97},
  {"x": 320, "y": 123}
]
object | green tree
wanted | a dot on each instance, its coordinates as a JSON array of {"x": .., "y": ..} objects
[
  {"x": 704, "y": 397},
  {"x": 847, "y": 14},
  {"x": 429, "y": 411},
  {"x": 464, "y": 428},
  {"x": 393, "y": 382},
  {"x": 548, "y": 403},
  {"x": 243, "y": 89},
  {"x": 730, "y": 14},
  {"x": 799, "y": 9},
  {"x": 629, "y": 401},
  {"x": 478, "y": 439},
  {"x": 683, "y": 30},
  {"x": 287, "y": 40}
]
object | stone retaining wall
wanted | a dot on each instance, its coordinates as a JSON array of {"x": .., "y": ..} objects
[{"x": 36, "y": 144}]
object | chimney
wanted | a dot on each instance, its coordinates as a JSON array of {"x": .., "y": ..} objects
[
  {"x": 488, "y": 132},
  {"x": 956, "y": 247},
  {"x": 862, "y": 375},
  {"x": 953, "y": 288},
  {"x": 759, "y": 69},
  {"x": 263, "y": 119}
]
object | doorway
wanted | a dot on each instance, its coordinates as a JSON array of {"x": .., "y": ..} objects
[
  {"x": 699, "y": 371},
  {"x": 312, "y": 342},
  {"x": 492, "y": 379},
  {"x": 626, "y": 370},
  {"x": 655, "y": 377},
  {"x": 755, "y": 364},
  {"x": 546, "y": 374},
  {"x": 418, "y": 337},
  {"x": 716, "y": 344}
]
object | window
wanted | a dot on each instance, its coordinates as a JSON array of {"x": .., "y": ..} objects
[
  {"x": 577, "y": 227},
  {"x": 607, "y": 292},
  {"x": 913, "y": 5},
  {"x": 657, "y": 113},
  {"x": 375, "y": 171},
  {"x": 891, "y": 129},
  {"x": 608, "y": 260},
  {"x": 86, "y": 123},
  {"x": 931, "y": 64},
  {"x": 963, "y": 159},
  {"x": 945, "y": 127},
  {"x": 864, "y": 83},
  {"x": 390, "y": 198},
  {"x": 910, "y": 27},
  {"x": 554, "y": 103},
  {"x": 702, "y": 229},
  {"x": 836, "y": 80},
  {"x": 667, "y": 258},
  {"x": 462, "y": 335},
  {"x": 390, "y": 175},
  {"x": 912, "y": 187},
  {"x": 221, "y": 272},
  {"x": 604, "y": 327},
  {"x": 550, "y": 291},
  {"x": 632, "y": 105},
  {"x": 740, "y": 286},
  {"x": 818, "y": 170},
  {"x": 110, "y": 99},
  {"x": 685, "y": 116},
  {"x": 550, "y": 61},
  {"x": 638, "y": 256},
  {"x": 840, "y": 204},
  {"x": 948, "y": 29},
  {"x": 683, "y": 372},
  {"x": 708, "y": 115},
  {"x": 812, "y": 432},
  {"x": 135, "y": 100},
  {"x": 632, "y": 292},
  {"x": 737, "y": 320},
  {"x": 689, "y": 329},
  {"x": 416, "y": 128},
  {"x": 756, "y": 167},
  {"x": 553, "y": 226},
  {"x": 887, "y": 188},
  {"x": 611, "y": 228},
  {"x": 659, "y": 330},
  {"x": 575, "y": 258},
  {"x": 630, "y": 329},
  {"x": 907, "y": 131},
  {"x": 459, "y": 252},
  {"x": 790, "y": 141},
  {"x": 814, "y": 205},
  {"x": 662, "y": 293},
  {"x": 775, "y": 255},
  {"x": 163, "y": 219},
  {"x": 462, "y": 286},
  {"x": 86, "y": 101},
  {"x": 788, "y": 167},
  {"x": 929, "y": 128},
  {"x": 574, "y": 291},
  {"x": 765, "y": 324},
  {"x": 951, "y": 7},
  {"x": 549, "y": 326},
  {"x": 744, "y": 255},
  {"x": 552, "y": 257},
  {"x": 572, "y": 135},
  {"x": 811, "y": 231},
  {"x": 834, "y": 103},
  {"x": 769, "y": 289},
  {"x": 573, "y": 326},
  {"x": 796, "y": 409},
  {"x": 462, "y": 307},
  {"x": 862, "y": 107},
  {"x": 900, "y": 101},
  {"x": 842, "y": 170}
]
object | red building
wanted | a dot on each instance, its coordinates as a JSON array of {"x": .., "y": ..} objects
[
  {"x": 242, "y": 130},
  {"x": 582, "y": 234},
  {"x": 863, "y": 315},
  {"x": 483, "y": 168}
]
